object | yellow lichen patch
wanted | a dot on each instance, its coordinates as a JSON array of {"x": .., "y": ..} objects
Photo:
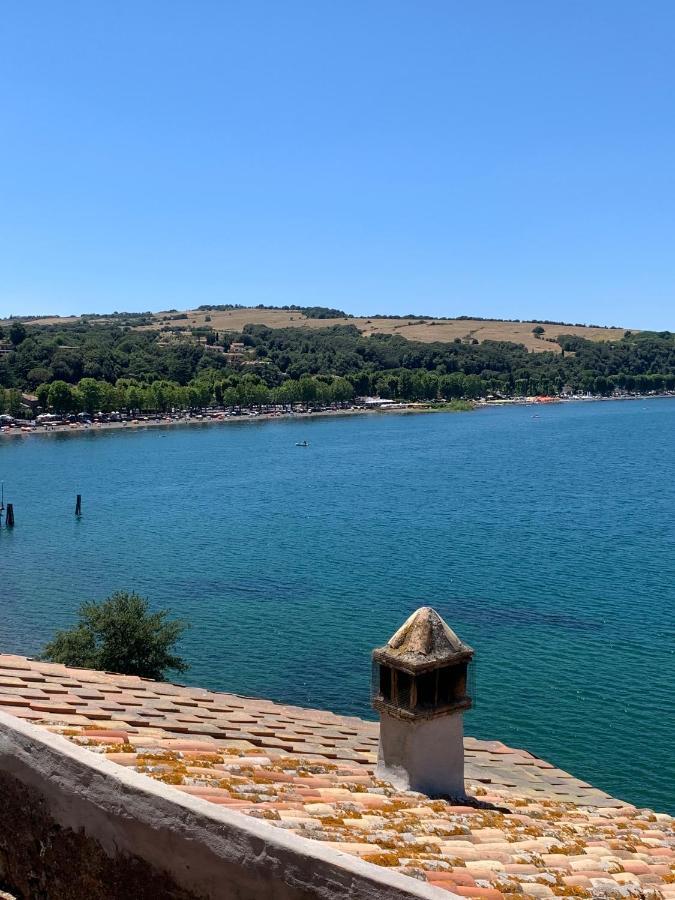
[
  {"x": 571, "y": 849},
  {"x": 507, "y": 887},
  {"x": 388, "y": 845},
  {"x": 203, "y": 762},
  {"x": 120, "y": 748},
  {"x": 396, "y": 806},
  {"x": 444, "y": 831},
  {"x": 491, "y": 820},
  {"x": 381, "y": 859},
  {"x": 567, "y": 890},
  {"x": 164, "y": 768},
  {"x": 403, "y": 825},
  {"x": 169, "y": 777},
  {"x": 146, "y": 758},
  {"x": 288, "y": 762},
  {"x": 439, "y": 806},
  {"x": 226, "y": 784},
  {"x": 420, "y": 851},
  {"x": 270, "y": 814}
]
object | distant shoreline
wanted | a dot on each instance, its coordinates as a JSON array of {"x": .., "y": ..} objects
[{"x": 27, "y": 430}]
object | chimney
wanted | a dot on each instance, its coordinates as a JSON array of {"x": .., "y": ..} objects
[{"x": 420, "y": 691}]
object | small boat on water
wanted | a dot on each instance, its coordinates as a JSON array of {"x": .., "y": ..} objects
[{"x": 302, "y": 444}]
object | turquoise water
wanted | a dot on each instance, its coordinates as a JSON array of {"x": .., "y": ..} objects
[{"x": 547, "y": 543}]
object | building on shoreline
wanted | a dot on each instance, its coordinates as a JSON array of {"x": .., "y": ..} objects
[{"x": 116, "y": 786}]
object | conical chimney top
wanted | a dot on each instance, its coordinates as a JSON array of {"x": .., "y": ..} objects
[{"x": 423, "y": 642}]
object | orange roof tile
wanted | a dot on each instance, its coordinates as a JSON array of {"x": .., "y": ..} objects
[{"x": 529, "y": 829}]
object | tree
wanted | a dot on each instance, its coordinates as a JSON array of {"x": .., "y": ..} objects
[
  {"x": 230, "y": 397},
  {"x": 17, "y": 333},
  {"x": 198, "y": 395},
  {"x": 13, "y": 402},
  {"x": 90, "y": 394},
  {"x": 307, "y": 389},
  {"x": 39, "y": 375},
  {"x": 61, "y": 397},
  {"x": 287, "y": 393},
  {"x": 342, "y": 390},
  {"x": 133, "y": 398},
  {"x": 43, "y": 396},
  {"x": 120, "y": 634},
  {"x": 109, "y": 397},
  {"x": 537, "y": 331}
]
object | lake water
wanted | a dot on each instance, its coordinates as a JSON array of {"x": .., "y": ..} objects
[{"x": 548, "y": 543}]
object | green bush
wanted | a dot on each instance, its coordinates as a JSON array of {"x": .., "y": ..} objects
[{"x": 120, "y": 634}]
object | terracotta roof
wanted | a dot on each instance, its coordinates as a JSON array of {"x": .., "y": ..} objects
[
  {"x": 530, "y": 829},
  {"x": 423, "y": 641}
]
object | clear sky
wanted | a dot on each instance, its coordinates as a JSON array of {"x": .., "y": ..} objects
[{"x": 513, "y": 158}]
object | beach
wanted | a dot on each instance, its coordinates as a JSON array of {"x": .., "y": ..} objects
[{"x": 24, "y": 428}]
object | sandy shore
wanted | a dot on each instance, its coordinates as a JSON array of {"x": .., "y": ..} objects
[{"x": 26, "y": 430}]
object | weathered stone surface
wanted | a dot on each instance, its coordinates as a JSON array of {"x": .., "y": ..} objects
[
  {"x": 422, "y": 640},
  {"x": 40, "y": 860}
]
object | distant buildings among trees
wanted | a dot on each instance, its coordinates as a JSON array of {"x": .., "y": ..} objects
[{"x": 102, "y": 364}]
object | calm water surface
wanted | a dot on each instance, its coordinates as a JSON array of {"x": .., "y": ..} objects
[{"x": 547, "y": 543}]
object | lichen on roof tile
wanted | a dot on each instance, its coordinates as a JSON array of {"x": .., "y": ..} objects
[{"x": 527, "y": 829}]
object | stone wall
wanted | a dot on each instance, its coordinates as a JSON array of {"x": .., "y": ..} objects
[
  {"x": 75, "y": 826},
  {"x": 40, "y": 860}
]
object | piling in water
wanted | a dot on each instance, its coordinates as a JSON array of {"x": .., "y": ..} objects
[
  {"x": 9, "y": 521},
  {"x": 78, "y": 505}
]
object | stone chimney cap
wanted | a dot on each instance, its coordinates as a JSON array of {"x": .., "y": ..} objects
[{"x": 424, "y": 641}]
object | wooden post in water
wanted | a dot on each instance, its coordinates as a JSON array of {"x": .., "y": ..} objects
[
  {"x": 78, "y": 505},
  {"x": 9, "y": 521}
]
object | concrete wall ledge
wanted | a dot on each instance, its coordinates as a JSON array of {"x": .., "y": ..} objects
[{"x": 201, "y": 850}]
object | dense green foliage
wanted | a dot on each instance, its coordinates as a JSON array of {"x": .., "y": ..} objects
[
  {"x": 101, "y": 365},
  {"x": 311, "y": 312},
  {"x": 120, "y": 634}
]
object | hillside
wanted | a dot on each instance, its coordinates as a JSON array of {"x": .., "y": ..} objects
[
  {"x": 317, "y": 356},
  {"x": 422, "y": 329}
]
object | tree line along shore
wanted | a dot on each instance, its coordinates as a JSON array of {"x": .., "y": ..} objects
[{"x": 89, "y": 367}]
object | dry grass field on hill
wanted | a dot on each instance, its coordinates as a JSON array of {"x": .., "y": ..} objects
[{"x": 413, "y": 329}]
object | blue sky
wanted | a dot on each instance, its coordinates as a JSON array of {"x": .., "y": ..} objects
[{"x": 511, "y": 159}]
